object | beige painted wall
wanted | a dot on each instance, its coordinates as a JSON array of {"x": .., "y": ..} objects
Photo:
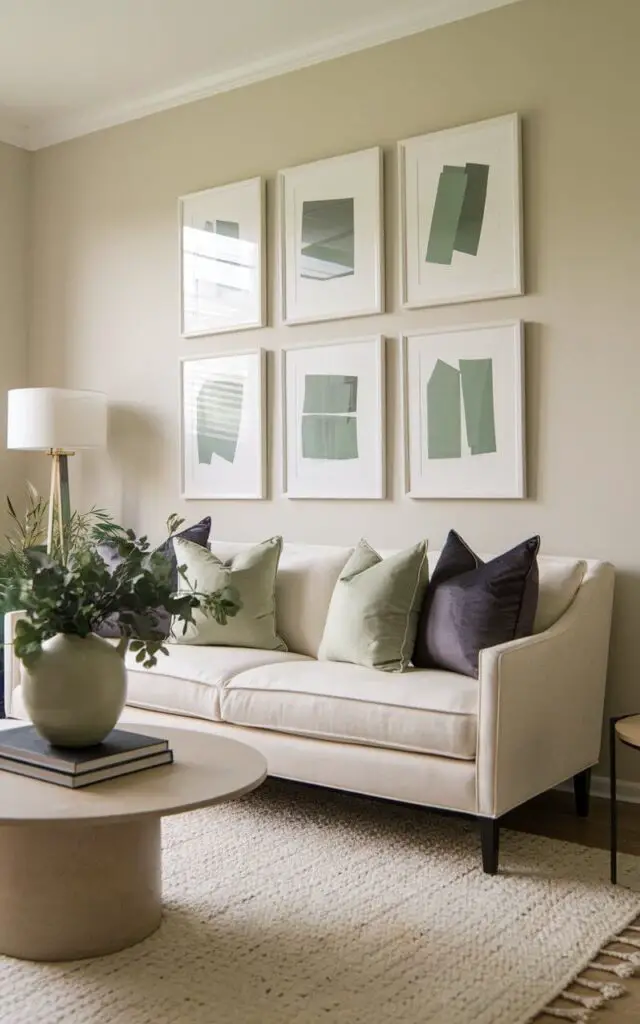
[
  {"x": 14, "y": 225},
  {"x": 105, "y": 298}
]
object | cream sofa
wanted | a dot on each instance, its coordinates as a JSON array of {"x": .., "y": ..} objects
[{"x": 532, "y": 720}]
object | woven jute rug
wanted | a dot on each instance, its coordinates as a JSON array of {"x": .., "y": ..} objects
[{"x": 300, "y": 906}]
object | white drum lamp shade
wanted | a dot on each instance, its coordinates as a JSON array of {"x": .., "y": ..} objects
[{"x": 58, "y": 419}]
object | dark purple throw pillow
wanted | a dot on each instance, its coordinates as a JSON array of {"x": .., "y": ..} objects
[
  {"x": 197, "y": 534},
  {"x": 470, "y": 604}
]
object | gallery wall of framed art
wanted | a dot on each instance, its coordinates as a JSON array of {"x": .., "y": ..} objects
[{"x": 458, "y": 402}]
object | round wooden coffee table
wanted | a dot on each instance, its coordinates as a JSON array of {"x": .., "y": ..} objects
[{"x": 80, "y": 870}]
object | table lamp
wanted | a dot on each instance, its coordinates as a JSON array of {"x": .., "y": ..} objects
[{"x": 58, "y": 421}]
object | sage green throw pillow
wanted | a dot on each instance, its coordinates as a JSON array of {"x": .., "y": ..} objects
[
  {"x": 252, "y": 573},
  {"x": 373, "y": 615}
]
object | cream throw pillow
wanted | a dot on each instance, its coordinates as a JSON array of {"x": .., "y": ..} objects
[
  {"x": 373, "y": 615},
  {"x": 252, "y": 573}
]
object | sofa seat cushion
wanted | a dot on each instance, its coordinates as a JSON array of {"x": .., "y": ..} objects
[
  {"x": 188, "y": 681},
  {"x": 423, "y": 710}
]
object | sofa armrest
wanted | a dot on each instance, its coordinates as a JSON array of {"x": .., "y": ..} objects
[
  {"x": 541, "y": 701},
  {"x": 12, "y": 665}
]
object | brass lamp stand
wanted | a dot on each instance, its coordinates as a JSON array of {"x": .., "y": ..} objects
[{"x": 59, "y": 500}]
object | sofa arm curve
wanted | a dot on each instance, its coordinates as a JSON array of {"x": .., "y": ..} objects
[
  {"x": 541, "y": 701},
  {"x": 12, "y": 665}
]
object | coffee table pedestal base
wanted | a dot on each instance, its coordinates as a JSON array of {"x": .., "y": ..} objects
[{"x": 70, "y": 890}]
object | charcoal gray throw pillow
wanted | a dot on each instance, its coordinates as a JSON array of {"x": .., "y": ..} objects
[
  {"x": 197, "y": 534},
  {"x": 470, "y": 604}
]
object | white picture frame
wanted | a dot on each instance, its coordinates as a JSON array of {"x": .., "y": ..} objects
[
  {"x": 461, "y": 214},
  {"x": 463, "y": 388},
  {"x": 223, "y": 437},
  {"x": 342, "y": 381},
  {"x": 222, "y": 259},
  {"x": 331, "y": 238}
]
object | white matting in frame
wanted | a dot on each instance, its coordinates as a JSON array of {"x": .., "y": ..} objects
[
  {"x": 460, "y": 213},
  {"x": 463, "y": 398},
  {"x": 331, "y": 249},
  {"x": 333, "y": 420},
  {"x": 222, "y": 259},
  {"x": 223, "y": 413}
]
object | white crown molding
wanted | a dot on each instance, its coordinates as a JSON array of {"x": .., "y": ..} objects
[
  {"x": 439, "y": 12},
  {"x": 14, "y": 134}
]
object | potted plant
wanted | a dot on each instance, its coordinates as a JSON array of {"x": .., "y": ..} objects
[
  {"x": 28, "y": 532},
  {"x": 74, "y": 682}
]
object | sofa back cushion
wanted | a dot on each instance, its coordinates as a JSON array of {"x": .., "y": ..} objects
[
  {"x": 559, "y": 582},
  {"x": 307, "y": 575}
]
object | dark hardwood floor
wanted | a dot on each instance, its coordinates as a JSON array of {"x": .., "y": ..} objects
[{"x": 553, "y": 814}]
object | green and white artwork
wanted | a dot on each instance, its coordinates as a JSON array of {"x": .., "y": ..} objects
[
  {"x": 223, "y": 426},
  {"x": 458, "y": 212},
  {"x": 333, "y": 430},
  {"x": 329, "y": 421},
  {"x": 218, "y": 417},
  {"x": 222, "y": 254},
  {"x": 331, "y": 254},
  {"x": 461, "y": 213},
  {"x": 328, "y": 241},
  {"x": 464, "y": 426},
  {"x": 460, "y": 400}
]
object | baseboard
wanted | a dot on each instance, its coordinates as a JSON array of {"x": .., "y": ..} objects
[{"x": 628, "y": 792}]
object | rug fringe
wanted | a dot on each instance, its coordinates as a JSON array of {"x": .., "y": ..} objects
[
  {"x": 607, "y": 990},
  {"x": 629, "y": 941},
  {"x": 588, "y": 1002},
  {"x": 579, "y": 1015}
]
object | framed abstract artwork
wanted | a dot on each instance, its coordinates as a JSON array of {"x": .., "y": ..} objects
[
  {"x": 333, "y": 420},
  {"x": 460, "y": 214},
  {"x": 463, "y": 397},
  {"x": 222, "y": 259},
  {"x": 223, "y": 416},
  {"x": 331, "y": 251}
]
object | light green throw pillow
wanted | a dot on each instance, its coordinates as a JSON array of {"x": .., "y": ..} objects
[
  {"x": 253, "y": 575},
  {"x": 373, "y": 615}
]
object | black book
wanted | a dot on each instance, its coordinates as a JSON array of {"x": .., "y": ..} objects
[
  {"x": 114, "y": 771},
  {"x": 26, "y": 745}
]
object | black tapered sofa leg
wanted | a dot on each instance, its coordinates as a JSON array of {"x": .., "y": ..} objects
[
  {"x": 581, "y": 789},
  {"x": 490, "y": 840}
]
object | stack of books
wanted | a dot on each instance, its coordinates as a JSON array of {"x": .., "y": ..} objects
[{"x": 25, "y": 752}]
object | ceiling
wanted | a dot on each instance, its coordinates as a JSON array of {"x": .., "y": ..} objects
[{"x": 69, "y": 67}]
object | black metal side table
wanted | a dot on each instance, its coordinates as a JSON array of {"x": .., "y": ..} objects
[{"x": 626, "y": 729}]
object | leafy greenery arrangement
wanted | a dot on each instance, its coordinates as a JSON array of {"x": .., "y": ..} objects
[
  {"x": 29, "y": 534},
  {"x": 76, "y": 593}
]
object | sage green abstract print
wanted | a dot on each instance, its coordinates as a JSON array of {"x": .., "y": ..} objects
[
  {"x": 458, "y": 213},
  {"x": 218, "y": 418},
  {"x": 476, "y": 378},
  {"x": 444, "y": 419},
  {"x": 328, "y": 239},
  {"x": 329, "y": 427},
  {"x": 451, "y": 389}
]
